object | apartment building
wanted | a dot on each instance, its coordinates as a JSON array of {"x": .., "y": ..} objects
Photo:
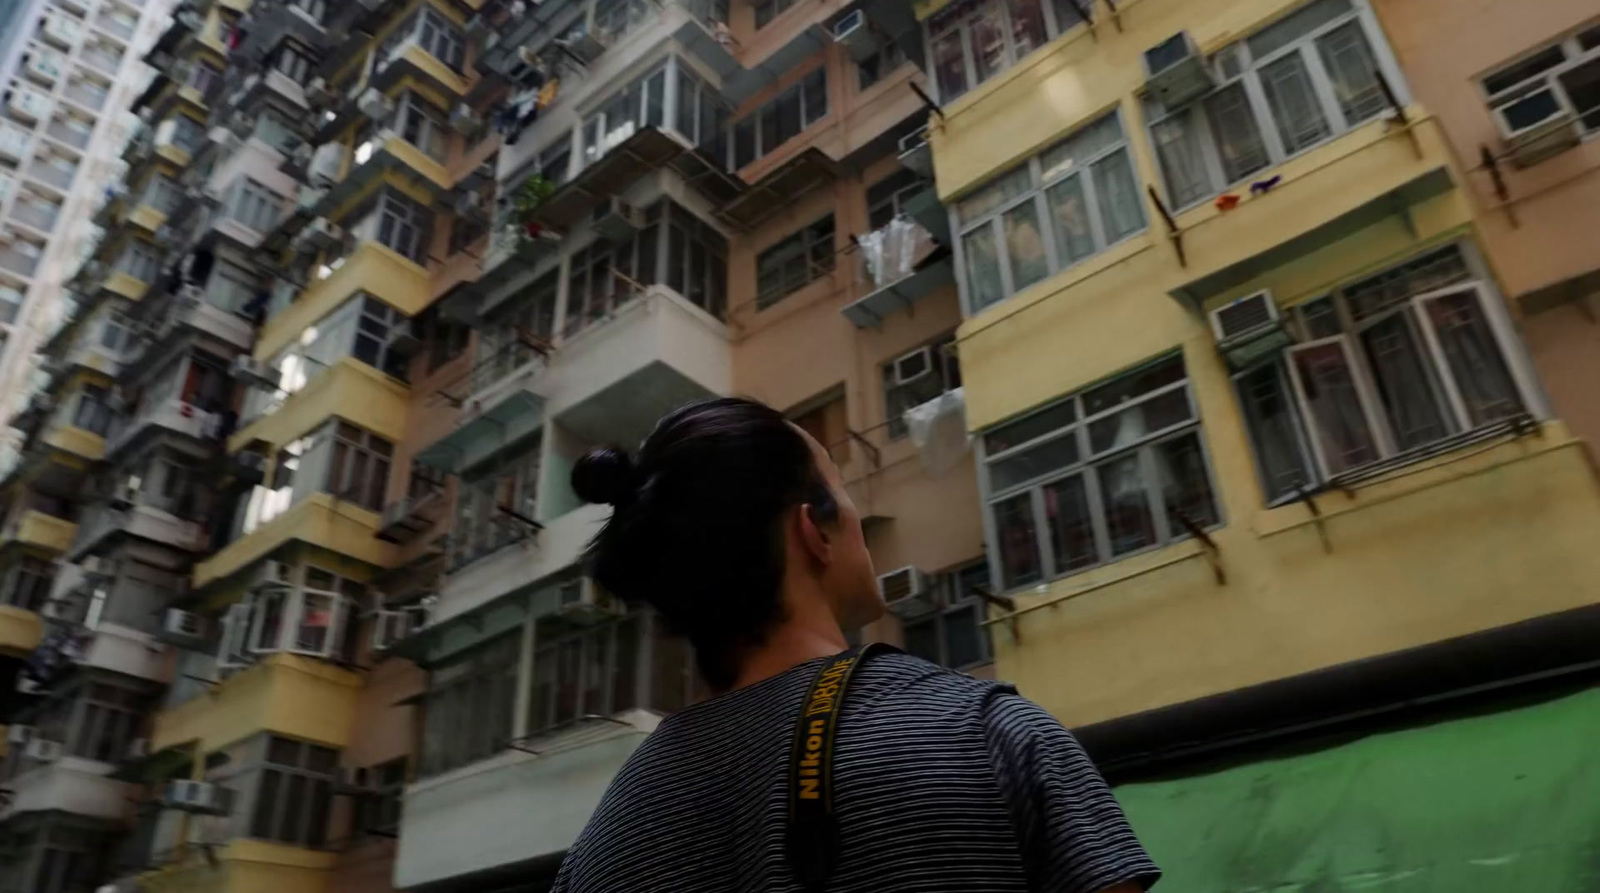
[
  {"x": 1266, "y": 461},
  {"x": 72, "y": 70}
]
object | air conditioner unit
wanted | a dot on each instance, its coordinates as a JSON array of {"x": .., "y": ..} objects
[
  {"x": 252, "y": 371},
  {"x": 326, "y": 161},
  {"x": 855, "y": 32},
  {"x": 463, "y": 119},
  {"x": 19, "y": 734},
  {"x": 197, "y": 797},
  {"x": 138, "y": 749},
  {"x": 319, "y": 95},
  {"x": 58, "y": 610},
  {"x": 1175, "y": 72},
  {"x": 191, "y": 294},
  {"x": 96, "y": 566},
  {"x": 1249, "y": 330},
  {"x": 124, "y": 495},
  {"x": 375, "y": 105},
  {"x": 905, "y": 592},
  {"x": 915, "y": 155},
  {"x": 403, "y": 341},
  {"x": 913, "y": 366},
  {"x": 42, "y": 750},
  {"x": 585, "y": 47},
  {"x": 320, "y": 234},
  {"x": 617, "y": 221},
  {"x": 583, "y": 601},
  {"x": 1537, "y": 125},
  {"x": 469, "y": 204},
  {"x": 272, "y": 575},
  {"x": 182, "y": 628},
  {"x": 389, "y": 627}
]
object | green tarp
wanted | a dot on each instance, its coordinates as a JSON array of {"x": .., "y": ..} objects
[{"x": 1507, "y": 802}]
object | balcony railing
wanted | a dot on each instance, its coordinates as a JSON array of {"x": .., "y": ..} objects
[
  {"x": 72, "y": 136},
  {"x": 264, "y": 400}
]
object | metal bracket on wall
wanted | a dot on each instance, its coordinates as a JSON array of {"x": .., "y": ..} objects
[
  {"x": 1213, "y": 553},
  {"x": 1498, "y": 181},
  {"x": 1307, "y": 497},
  {"x": 1174, "y": 234},
  {"x": 1116, "y": 17},
  {"x": 1399, "y": 112},
  {"x": 1006, "y": 603}
]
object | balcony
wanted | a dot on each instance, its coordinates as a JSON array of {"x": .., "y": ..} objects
[
  {"x": 503, "y": 405},
  {"x": 320, "y": 520},
  {"x": 614, "y": 379},
  {"x": 300, "y": 697},
  {"x": 475, "y": 820},
  {"x": 20, "y": 631},
  {"x": 173, "y": 416},
  {"x": 411, "y": 516},
  {"x": 520, "y": 562},
  {"x": 385, "y": 152},
  {"x": 58, "y": 176},
  {"x": 70, "y": 785},
  {"x": 349, "y": 388},
  {"x": 90, "y": 98},
  {"x": 896, "y": 266},
  {"x": 411, "y": 61},
  {"x": 372, "y": 268},
  {"x": 141, "y": 521},
  {"x": 44, "y": 531},
  {"x": 20, "y": 262}
]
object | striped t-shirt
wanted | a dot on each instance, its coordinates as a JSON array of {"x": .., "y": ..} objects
[{"x": 942, "y": 783}]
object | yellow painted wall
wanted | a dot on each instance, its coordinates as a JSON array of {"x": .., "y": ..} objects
[
  {"x": 77, "y": 441},
  {"x": 349, "y": 389},
  {"x": 147, "y": 218},
  {"x": 126, "y": 285},
  {"x": 297, "y": 696},
  {"x": 20, "y": 631},
  {"x": 246, "y": 866},
  {"x": 46, "y": 531},
  {"x": 319, "y": 519},
  {"x": 373, "y": 268}
]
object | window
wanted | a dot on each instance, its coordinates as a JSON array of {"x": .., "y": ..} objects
[
  {"x": 1100, "y": 475},
  {"x": 94, "y": 410},
  {"x": 116, "y": 332},
  {"x": 378, "y": 809},
  {"x": 467, "y": 711},
  {"x": 1564, "y": 76},
  {"x": 204, "y": 78},
  {"x": 767, "y": 10},
  {"x": 972, "y": 42},
  {"x": 317, "y": 617},
  {"x": 798, "y": 259},
  {"x": 881, "y": 64},
  {"x": 424, "y": 126},
  {"x": 28, "y": 583},
  {"x": 231, "y": 288},
  {"x": 375, "y": 334},
  {"x": 294, "y": 792},
  {"x": 105, "y": 719},
  {"x": 444, "y": 339},
  {"x": 441, "y": 39},
  {"x": 1064, "y": 205},
  {"x": 826, "y": 418},
  {"x": 313, "y": 9},
  {"x": 188, "y": 134},
  {"x": 954, "y": 635},
  {"x": 1288, "y": 87},
  {"x": 517, "y": 335},
  {"x": 139, "y": 260},
  {"x": 162, "y": 194},
  {"x": 254, "y": 205},
  {"x": 276, "y": 131},
  {"x": 403, "y": 225},
  {"x": 593, "y": 672},
  {"x": 10, "y": 305},
  {"x": 781, "y": 118},
  {"x": 675, "y": 248},
  {"x": 555, "y": 160},
  {"x": 928, "y": 372},
  {"x": 886, "y": 198},
  {"x": 359, "y": 471},
  {"x": 641, "y": 104},
  {"x": 1389, "y": 366},
  {"x": 495, "y": 509},
  {"x": 292, "y": 64}
]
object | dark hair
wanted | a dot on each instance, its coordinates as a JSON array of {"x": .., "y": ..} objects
[{"x": 696, "y": 529}]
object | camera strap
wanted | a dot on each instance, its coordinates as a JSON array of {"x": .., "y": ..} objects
[{"x": 812, "y": 837}]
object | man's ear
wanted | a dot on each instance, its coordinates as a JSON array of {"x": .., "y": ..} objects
[{"x": 813, "y": 535}]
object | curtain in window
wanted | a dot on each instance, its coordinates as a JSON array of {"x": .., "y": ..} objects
[
  {"x": 1353, "y": 72},
  {"x": 1027, "y": 25},
  {"x": 988, "y": 44},
  {"x": 1019, "y": 556},
  {"x": 1118, "y": 191},
  {"x": 949, "y": 66},
  {"x": 1402, "y": 380},
  {"x": 1473, "y": 356},
  {"x": 1070, "y": 210},
  {"x": 1182, "y": 159},
  {"x": 1271, "y": 422},
  {"x": 983, "y": 268},
  {"x": 1294, "y": 103},
  {"x": 1066, "y": 506},
  {"x": 1025, "y": 245},
  {"x": 1338, "y": 421},
  {"x": 1238, "y": 139},
  {"x": 1122, "y": 490}
]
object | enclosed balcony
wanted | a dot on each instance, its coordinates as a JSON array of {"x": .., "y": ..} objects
[
  {"x": 302, "y": 697},
  {"x": 41, "y": 530}
]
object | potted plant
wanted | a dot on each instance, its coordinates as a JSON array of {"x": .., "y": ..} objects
[{"x": 527, "y": 198}]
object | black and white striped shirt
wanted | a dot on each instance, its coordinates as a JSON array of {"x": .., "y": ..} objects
[{"x": 944, "y": 783}]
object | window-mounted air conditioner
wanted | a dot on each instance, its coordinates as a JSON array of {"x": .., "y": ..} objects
[
  {"x": 905, "y": 593},
  {"x": 375, "y": 105},
  {"x": 323, "y": 171},
  {"x": 1249, "y": 330},
  {"x": 138, "y": 749},
  {"x": 584, "y": 601},
  {"x": 272, "y": 575},
  {"x": 390, "y": 627},
  {"x": 914, "y": 366},
  {"x": 617, "y": 221},
  {"x": 96, "y": 566},
  {"x": 320, "y": 234},
  {"x": 463, "y": 119},
  {"x": 43, "y": 750},
  {"x": 185, "y": 629},
  {"x": 19, "y": 734},
  {"x": 1537, "y": 124},
  {"x": 1175, "y": 72},
  {"x": 915, "y": 155},
  {"x": 856, "y": 34},
  {"x": 252, "y": 371},
  {"x": 200, "y": 797}
]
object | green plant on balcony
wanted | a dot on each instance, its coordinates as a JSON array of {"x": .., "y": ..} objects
[{"x": 525, "y": 202}]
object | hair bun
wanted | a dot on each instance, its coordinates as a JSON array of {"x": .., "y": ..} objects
[{"x": 606, "y": 475}]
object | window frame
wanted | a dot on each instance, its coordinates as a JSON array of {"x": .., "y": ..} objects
[
  {"x": 948, "y": 364},
  {"x": 935, "y": 28},
  {"x": 409, "y": 225},
  {"x": 1249, "y": 80},
  {"x": 432, "y": 137},
  {"x": 1037, "y": 193},
  {"x": 1575, "y": 56},
  {"x": 799, "y": 93},
  {"x": 254, "y": 206},
  {"x": 953, "y": 599},
  {"x": 269, "y": 817},
  {"x": 1085, "y": 466},
  {"x": 810, "y": 241},
  {"x": 359, "y": 464}
]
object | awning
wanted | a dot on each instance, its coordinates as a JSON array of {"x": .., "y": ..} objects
[
  {"x": 1396, "y": 201},
  {"x": 644, "y": 152},
  {"x": 270, "y": 23},
  {"x": 779, "y": 188},
  {"x": 740, "y": 83},
  {"x": 870, "y": 311}
]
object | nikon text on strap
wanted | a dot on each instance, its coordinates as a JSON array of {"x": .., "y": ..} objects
[{"x": 812, "y": 838}]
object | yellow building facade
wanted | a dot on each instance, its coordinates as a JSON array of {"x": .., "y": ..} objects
[{"x": 1352, "y": 459}]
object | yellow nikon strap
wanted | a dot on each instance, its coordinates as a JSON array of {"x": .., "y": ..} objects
[{"x": 812, "y": 838}]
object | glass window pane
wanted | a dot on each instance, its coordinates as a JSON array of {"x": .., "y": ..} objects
[
  {"x": 1531, "y": 67},
  {"x": 1121, "y": 212},
  {"x": 1127, "y": 506},
  {"x": 1128, "y": 427},
  {"x": 1270, "y": 417},
  {"x": 1027, "y": 26},
  {"x": 922, "y": 638},
  {"x": 1233, "y": 127},
  {"x": 1068, "y": 14},
  {"x": 988, "y": 44},
  {"x": 1353, "y": 72},
  {"x": 1025, "y": 245},
  {"x": 1296, "y": 25},
  {"x": 1185, "y": 487},
  {"x": 994, "y": 195},
  {"x": 1069, "y": 211},
  {"x": 963, "y": 637},
  {"x": 1397, "y": 367},
  {"x": 1066, "y": 505},
  {"x": 291, "y": 824},
  {"x": 950, "y": 65},
  {"x": 1131, "y": 387},
  {"x": 1474, "y": 358},
  {"x": 1294, "y": 104},
  {"x": 266, "y": 803},
  {"x": 1029, "y": 427},
  {"x": 1018, "y": 546},
  {"x": 1583, "y": 89},
  {"x": 1338, "y": 422},
  {"x": 983, "y": 268},
  {"x": 1182, "y": 159},
  {"x": 1052, "y": 455}
]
